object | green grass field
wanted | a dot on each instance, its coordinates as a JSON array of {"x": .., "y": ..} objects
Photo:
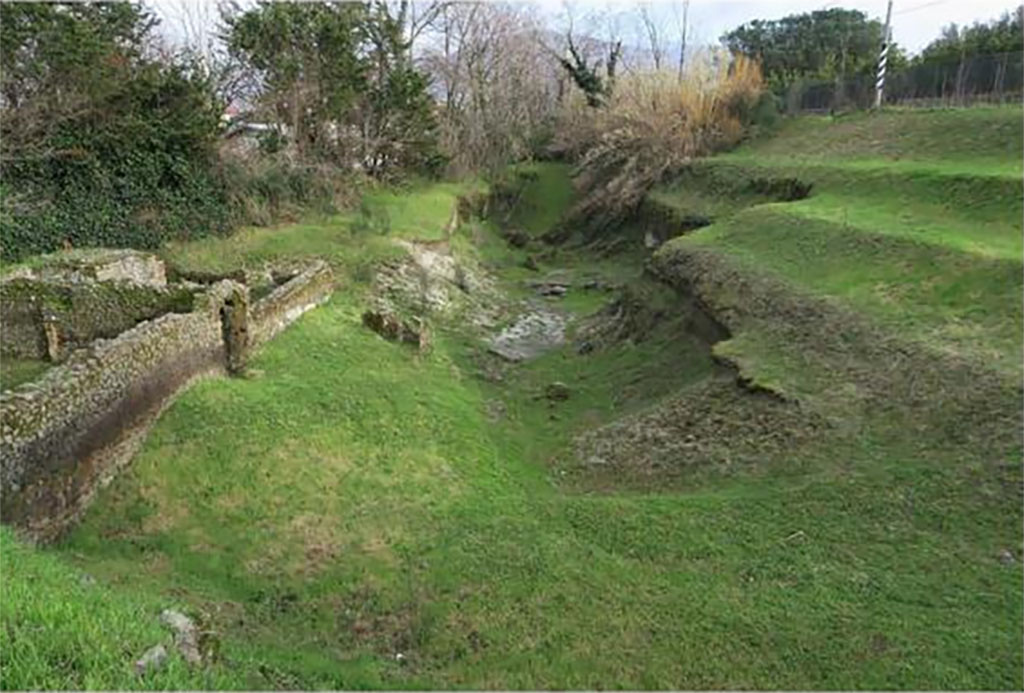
[{"x": 355, "y": 500}]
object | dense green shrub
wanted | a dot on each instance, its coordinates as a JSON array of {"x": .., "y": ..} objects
[
  {"x": 102, "y": 145},
  {"x": 339, "y": 80},
  {"x": 107, "y": 143},
  {"x": 268, "y": 189}
]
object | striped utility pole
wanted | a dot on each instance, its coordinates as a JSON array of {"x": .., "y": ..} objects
[{"x": 886, "y": 40}]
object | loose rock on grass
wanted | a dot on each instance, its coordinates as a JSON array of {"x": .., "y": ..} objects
[
  {"x": 557, "y": 392},
  {"x": 186, "y": 635},
  {"x": 152, "y": 660}
]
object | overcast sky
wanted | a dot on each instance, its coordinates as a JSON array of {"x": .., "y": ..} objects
[{"x": 915, "y": 22}]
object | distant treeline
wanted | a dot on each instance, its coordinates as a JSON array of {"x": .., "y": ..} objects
[{"x": 828, "y": 59}]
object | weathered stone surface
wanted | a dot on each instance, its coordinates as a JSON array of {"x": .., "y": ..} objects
[
  {"x": 393, "y": 328},
  {"x": 66, "y": 435},
  {"x": 36, "y": 314},
  {"x": 535, "y": 332},
  {"x": 234, "y": 315},
  {"x": 152, "y": 660},
  {"x": 429, "y": 281},
  {"x": 557, "y": 391},
  {"x": 550, "y": 288},
  {"x": 306, "y": 290},
  {"x": 186, "y": 635},
  {"x": 102, "y": 264}
]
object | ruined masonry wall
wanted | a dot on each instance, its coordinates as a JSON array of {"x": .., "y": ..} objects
[
  {"x": 81, "y": 311},
  {"x": 277, "y": 310},
  {"x": 65, "y": 436}
]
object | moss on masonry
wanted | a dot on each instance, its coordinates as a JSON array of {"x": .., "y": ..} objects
[
  {"x": 81, "y": 311},
  {"x": 67, "y": 434}
]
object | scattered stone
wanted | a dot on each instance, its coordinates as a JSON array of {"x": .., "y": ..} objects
[
  {"x": 531, "y": 335},
  {"x": 598, "y": 285},
  {"x": 153, "y": 659},
  {"x": 86, "y": 580},
  {"x": 557, "y": 391},
  {"x": 550, "y": 288},
  {"x": 1006, "y": 557},
  {"x": 584, "y": 348},
  {"x": 186, "y": 635},
  {"x": 495, "y": 409},
  {"x": 399, "y": 657},
  {"x": 395, "y": 329}
]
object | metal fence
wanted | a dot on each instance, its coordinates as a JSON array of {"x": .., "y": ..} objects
[{"x": 996, "y": 78}]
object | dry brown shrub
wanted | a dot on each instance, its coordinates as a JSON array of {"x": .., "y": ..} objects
[{"x": 655, "y": 123}]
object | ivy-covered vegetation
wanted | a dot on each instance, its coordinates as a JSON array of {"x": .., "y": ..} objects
[
  {"x": 103, "y": 144},
  {"x": 111, "y": 139}
]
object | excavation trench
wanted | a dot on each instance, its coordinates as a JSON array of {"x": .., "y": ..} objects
[
  {"x": 669, "y": 426},
  {"x": 678, "y": 410}
]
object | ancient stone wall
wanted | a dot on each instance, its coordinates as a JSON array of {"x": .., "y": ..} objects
[
  {"x": 283, "y": 305},
  {"x": 77, "y": 312},
  {"x": 97, "y": 265},
  {"x": 66, "y": 435}
]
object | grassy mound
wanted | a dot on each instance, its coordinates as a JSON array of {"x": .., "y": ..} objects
[{"x": 981, "y": 141}]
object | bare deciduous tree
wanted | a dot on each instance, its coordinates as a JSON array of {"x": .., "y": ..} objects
[
  {"x": 682, "y": 15},
  {"x": 200, "y": 25},
  {"x": 497, "y": 84},
  {"x": 653, "y": 33}
]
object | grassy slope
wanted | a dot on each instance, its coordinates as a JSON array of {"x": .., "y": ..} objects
[
  {"x": 356, "y": 500},
  {"x": 980, "y": 141},
  {"x": 64, "y": 629},
  {"x": 926, "y": 240}
]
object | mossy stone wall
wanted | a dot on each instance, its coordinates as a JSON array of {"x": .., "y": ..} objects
[
  {"x": 79, "y": 311},
  {"x": 272, "y": 313},
  {"x": 66, "y": 435}
]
